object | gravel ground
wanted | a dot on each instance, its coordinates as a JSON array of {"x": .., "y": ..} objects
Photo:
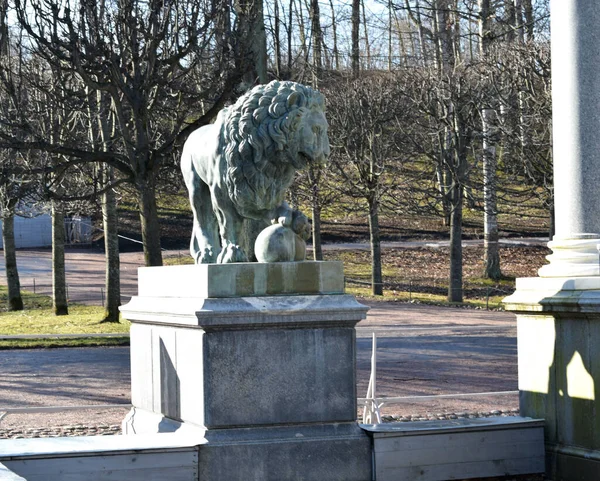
[{"x": 92, "y": 428}]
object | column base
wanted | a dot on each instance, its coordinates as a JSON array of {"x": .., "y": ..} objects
[
  {"x": 573, "y": 257},
  {"x": 558, "y": 327}
]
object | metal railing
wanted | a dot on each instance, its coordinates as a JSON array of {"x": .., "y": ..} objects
[
  {"x": 414, "y": 286},
  {"x": 372, "y": 404}
]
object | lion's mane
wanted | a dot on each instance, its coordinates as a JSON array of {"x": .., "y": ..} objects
[{"x": 257, "y": 133}]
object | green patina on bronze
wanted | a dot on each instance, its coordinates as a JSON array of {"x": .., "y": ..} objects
[{"x": 239, "y": 169}]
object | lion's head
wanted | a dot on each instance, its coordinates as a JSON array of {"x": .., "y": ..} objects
[{"x": 268, "y": 134}]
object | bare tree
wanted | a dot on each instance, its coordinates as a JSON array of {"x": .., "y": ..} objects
[
  {"x": 316, "y": 185},
  {"x": 363, "y": 119},
  {"x": 157, "y": 64}
]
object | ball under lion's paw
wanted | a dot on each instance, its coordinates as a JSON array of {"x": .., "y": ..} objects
[{"x": 278, "y": 243}]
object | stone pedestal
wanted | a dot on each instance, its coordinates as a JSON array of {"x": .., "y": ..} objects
[
  {"x": 260, "y": 358},
  {"x": 558, "y": 322}
]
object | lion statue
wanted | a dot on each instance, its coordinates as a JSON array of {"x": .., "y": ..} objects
[{"x": 237, "y": 170}]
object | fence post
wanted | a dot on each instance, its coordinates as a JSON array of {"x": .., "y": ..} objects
[
  {"x": 102, "y": 294},
  {"x": 487, "y": 298},
  {"x": 410, "y": 290},
  {"x": 34, "y": 285}
]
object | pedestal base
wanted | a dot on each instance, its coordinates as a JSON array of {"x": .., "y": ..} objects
[
  {"x": 266, "y": 376},
  {"x": 558, "y": 330},
  {"x": 334, "y": 451}
]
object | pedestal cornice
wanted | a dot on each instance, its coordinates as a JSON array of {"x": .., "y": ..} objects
[{"x": 555, "y": 294}]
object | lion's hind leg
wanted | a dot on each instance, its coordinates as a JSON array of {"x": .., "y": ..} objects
[{"x": 204, "y": 244}]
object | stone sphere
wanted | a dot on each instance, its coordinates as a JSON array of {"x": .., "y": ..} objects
[{"x": 278, "y": 243}]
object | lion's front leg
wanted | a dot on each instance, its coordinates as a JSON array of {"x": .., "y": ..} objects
[{"x": 230, "y": 228}]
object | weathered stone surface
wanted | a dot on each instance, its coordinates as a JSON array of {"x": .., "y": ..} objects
[
  {"x": 269, "y": 381},
  {"x": 241, "y": 280},
  {"x": 576, "y": 149},
  {"x": 230, "y": 374},
  {"x": 332, "y": 452}
]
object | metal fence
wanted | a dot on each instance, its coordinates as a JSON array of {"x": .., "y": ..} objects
[{"x": 415, "y": 286}]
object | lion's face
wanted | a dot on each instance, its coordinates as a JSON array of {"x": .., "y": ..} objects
[{"x": 311, "y": 139}]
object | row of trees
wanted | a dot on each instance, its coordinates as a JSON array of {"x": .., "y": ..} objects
[
  {"x": 464, "y": 119},
  {"x": 423, "y": 97}
]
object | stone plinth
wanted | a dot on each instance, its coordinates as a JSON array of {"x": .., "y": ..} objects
[
  {"x": 260, "y": 358},
  {"x": 558, "y": 330}
]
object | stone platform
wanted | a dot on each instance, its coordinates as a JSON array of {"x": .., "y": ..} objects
[{"x": 260, "y": 358}]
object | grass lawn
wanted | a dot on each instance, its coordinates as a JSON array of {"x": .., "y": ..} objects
[{"x": 38, "y": 318}]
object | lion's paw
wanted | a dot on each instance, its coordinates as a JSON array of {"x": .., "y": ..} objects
[
  {"x": 205, "y": 256},
  {"x": 300, "y": 225},
  {"x": 232, "y": 253}
]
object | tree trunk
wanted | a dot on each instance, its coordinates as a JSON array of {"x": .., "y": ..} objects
[
  {"x": 375, "y": 238},
  {"x": 484, "y": 26},
  {"x": 509, "y": 19},
  {"x": 317, "y": 39},
  {"x": 422, "y": 42},
  {"x": 528, "y": 14},
  {"x": 491, "y": 256},
  {"x": 277, "y": 41},
  {"x": 367, "y": 62},
  {"x": 445, "y": 49},
  {"x": 355, "y": 38},
  {"x": 336, "y": 53},
  {"x": 111, "y": 247},
  {"x": 149, "y": 220},
  {"x": 442, "y": 182},
  {"x": 316, "y": 232},
  {"x": 552, "y": 227},
  {"x": 59, "y": 279},
  {"x": 254, "y": 40},
  {"x": 455, "y": 290},
  {"x": 289, "y": 37},
  {"x": 389, "y": 39},
  {"x": 518, "y": 6},
  {"x": 15, "y": 301}
]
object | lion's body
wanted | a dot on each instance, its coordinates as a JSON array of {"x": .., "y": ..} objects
[{"x": 238, "y": 169}]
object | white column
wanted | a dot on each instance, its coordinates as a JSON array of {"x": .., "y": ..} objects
[{"x": 576, "y": 138}]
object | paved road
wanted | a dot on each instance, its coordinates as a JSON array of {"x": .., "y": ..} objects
[{"x": 422, "y": 350}]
